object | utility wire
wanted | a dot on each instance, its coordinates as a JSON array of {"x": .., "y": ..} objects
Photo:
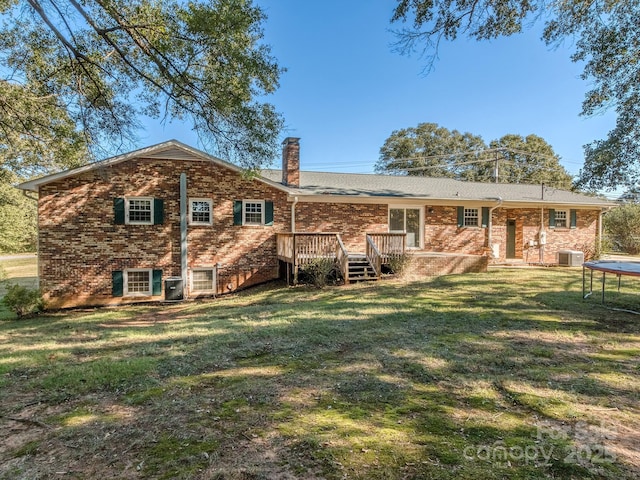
[{"x": 469, "y": 152}]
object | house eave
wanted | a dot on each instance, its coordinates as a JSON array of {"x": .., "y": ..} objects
[
  {"x": 155, "y": 151},
  {"x": 426, "y": 200}
]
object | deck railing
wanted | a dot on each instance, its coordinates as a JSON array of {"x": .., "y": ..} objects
[
  {"x": 303, "y": 248},
  {"x": 373, "y": 256},
  {"x": 389, "y": 245},
  {"x": 284, "y": 245},
  {"x": 300, "y": 249},
  {"x": 342, "y": 257}
]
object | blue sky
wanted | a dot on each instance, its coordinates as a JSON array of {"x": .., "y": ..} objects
[{"x": 345, "y": 91}]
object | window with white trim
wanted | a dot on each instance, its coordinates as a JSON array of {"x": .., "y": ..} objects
[
  {"x": 471, "y": 217},
  {"x": 203, "y": 280},
  {"x": 139, "y": 210},
  {"x": 407, "y": 220},
  {"x": 200, "y": 211},
  {"x": 137, "y": 282},
  {"x": 253, "y": 212},
  {"x": 562, "y": 219}
]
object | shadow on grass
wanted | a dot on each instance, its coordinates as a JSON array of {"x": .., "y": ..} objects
[{"x": 439, "y": 379}]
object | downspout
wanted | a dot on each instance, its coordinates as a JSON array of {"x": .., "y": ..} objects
[
  {"x": 183, "y": 232},
  {"x": 490, "y": 225},
  {"x": 26, "y": 194},
  {"x": 542, "y": 240},
  {"x": 293, "y": 214}
]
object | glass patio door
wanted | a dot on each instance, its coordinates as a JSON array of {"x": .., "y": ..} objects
[{"x": 406, "y": 220}]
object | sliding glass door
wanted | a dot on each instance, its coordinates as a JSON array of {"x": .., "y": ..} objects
[{"x": 407, "y": 220}]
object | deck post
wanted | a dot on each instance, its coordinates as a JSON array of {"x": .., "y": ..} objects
[{"x": 295, "y": 261}]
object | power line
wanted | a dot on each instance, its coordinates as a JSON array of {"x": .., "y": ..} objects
[{"x": 469, "y": 152}]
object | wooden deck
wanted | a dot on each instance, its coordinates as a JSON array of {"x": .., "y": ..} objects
[{"x": 300, "y": 249}]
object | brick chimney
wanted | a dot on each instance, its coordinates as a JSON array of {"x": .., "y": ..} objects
[{"x": 291, "y": 162}]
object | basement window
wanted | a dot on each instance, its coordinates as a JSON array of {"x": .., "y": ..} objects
[
  {"x": 203, "y": 280},
  {"x": 137, "y": 282}
]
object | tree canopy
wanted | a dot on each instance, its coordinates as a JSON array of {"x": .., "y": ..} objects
[
  {"x": 434, "y": 151},
  {"x": 606, "y": 36},
  {"x": 427, "y": 150},
  {"x": 76, "y": 77},
  {"x": 18, "y": 230},
  {"x": 622, "y": 227}
]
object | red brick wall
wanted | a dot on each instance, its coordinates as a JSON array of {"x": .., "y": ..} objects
[
  {"x": 442, "y": 233},
  {"x": 291, "y": 162},
  {"x": 528, "y": 222},
  {"x": 352, "y": 221},
  {"x": 434, "y": 264},
  {"x": 80, "y": 245}
]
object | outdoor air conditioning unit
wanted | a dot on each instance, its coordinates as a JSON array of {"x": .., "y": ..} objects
[
  {"x": 173, "y": 289},
  {"x": 570, "y": 258}
]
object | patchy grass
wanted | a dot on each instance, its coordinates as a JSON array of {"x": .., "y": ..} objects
[{"x": 508, "y": 374}]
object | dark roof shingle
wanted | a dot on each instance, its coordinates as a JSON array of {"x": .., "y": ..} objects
[{"x": 372, "y": 185}]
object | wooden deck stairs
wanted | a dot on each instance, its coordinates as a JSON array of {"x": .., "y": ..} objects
[
  {"x": 360, "y": 268},
  {"x": 296, "y": 250}
]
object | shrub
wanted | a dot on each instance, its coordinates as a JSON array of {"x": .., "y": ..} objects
[
  {"x": 319, "y": 271},
  {"x": 398, "y": 264},
  {"x": 595, "y": 250},
  {"x": 22, "y": 300}
]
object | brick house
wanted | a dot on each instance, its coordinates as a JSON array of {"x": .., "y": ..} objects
[{"x": 115, "y": 231}]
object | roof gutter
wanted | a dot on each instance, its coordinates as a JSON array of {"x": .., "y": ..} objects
[{"x": 305, "y": 197}]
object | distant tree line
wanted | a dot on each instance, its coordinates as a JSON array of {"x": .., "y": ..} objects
[{"x": 435, "y": 151}]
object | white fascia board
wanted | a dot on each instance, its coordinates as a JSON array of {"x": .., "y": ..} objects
[
  {"x": 373, "y": 199},
  {"x": 198, "y": 155}
]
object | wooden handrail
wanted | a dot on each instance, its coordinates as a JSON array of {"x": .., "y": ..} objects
[
  {"x": 389, "y": 245},
  {"x": 373, "y": 256},
  {"x": 342, "y": 257}
]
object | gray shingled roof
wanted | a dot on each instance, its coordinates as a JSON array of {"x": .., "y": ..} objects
[
  {"x": 357, "y": 185},
  {"x": 425, "y": 188}
]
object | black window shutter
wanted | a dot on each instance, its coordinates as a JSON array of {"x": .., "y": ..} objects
[
  {"x": 156, "y": 284},
  {"x": 574, "y": 218},
  {"x": 485, "y": 217},
  {"x": 237, "y": 212},
  {"x": 552, "y": 218},
  {"x": 117, "y": 284},
  {"x": 158, "y": 211},
  {"x": 268, "y": 212},
  {"x": 118, "y": 211},
  {"x": 460, "y": 216}
]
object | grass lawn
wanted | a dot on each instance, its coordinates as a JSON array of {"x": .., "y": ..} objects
[{"x": 505, "y": 374}]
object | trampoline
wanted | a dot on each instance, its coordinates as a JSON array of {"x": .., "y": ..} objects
[{"x": 631, "y": 269}]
